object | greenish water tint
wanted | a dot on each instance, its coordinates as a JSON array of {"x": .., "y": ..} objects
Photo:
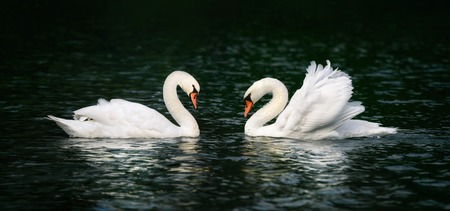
[{"x": 58, "y": 57}]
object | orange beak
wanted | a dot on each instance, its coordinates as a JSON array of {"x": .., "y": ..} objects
[
  {"x": 193, "y": 97},
  {"x": 248, "y": 106}
]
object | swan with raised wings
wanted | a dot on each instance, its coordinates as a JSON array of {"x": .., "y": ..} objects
[
  {"x": 320, "y": 109},
  {"x": 119, "y": 118}
]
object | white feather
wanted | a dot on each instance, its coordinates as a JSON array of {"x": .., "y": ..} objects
[
  {"x": 123, "y": 119},
  {"x": 319, "y": 109}
]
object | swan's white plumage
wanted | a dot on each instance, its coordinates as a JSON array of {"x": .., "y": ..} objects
[
  {"x": 120, "y": 118},
  {"x": 319, "y": 109}
]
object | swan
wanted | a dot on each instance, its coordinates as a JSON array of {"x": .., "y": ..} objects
[
  {"x": 120, "y": 118},
  {"x": 320, "y": 109}
]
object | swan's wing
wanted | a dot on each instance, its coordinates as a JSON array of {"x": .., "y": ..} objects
[
  {"x": 321, "y": 104},
  {"x": 123, "y": 113}
]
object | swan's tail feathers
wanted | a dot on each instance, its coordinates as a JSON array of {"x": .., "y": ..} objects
[
  {"x": 359, "y": 128},
  {"x": 67, "y": 125}
]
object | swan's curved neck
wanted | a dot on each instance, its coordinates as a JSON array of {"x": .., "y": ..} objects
[
  {"x": 174, "y": 105},
  {"x": 274, "y": 107}
]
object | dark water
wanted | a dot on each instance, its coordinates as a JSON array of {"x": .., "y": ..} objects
[{"x": 58, "y": 57}]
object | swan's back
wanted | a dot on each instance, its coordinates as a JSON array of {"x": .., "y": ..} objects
[
  {"x": 116, "y": 119},
  {"x": 321, "y": 106},
  {"x": 117, "y": 112}
]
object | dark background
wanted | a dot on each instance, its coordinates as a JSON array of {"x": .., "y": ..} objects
[{"x": 30, "y": 26}]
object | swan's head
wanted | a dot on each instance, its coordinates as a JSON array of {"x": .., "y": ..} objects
[
  {"x": 190, "y": 86},
  {"x": 256, "y": 91}
]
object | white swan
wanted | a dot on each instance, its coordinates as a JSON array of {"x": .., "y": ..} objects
[
  {"x": 123, "y": 119},
  {"x": 318, "y": 110}
]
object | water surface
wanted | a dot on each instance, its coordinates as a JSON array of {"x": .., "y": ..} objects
[{"x": 400, "y": 72}]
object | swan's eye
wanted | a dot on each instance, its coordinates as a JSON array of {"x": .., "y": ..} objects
[
  {"x": 248, "y": 97},
  {"x": 195, "y": 90}
]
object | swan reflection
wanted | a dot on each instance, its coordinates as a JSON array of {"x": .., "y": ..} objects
[
  {"x": 96, "y": 149},
  {"x": 136, "y": 169},
  {"x": 314, "y": 164}
]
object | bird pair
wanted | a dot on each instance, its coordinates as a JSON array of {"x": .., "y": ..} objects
[{"x": 320, "y": 109}]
